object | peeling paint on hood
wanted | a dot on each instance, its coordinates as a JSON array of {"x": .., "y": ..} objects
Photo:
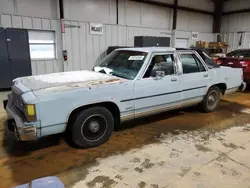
[{"x": 69, "y": 79}]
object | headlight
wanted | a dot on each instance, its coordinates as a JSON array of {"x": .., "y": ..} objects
[{"x": 30, "y": 112}]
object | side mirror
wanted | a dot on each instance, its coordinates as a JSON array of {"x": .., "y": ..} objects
[{"x": 159, "y": 75}]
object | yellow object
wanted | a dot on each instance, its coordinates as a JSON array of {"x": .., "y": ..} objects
[{"x": 30, "y": 108}]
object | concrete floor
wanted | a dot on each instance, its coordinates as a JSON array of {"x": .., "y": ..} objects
[{"x": 180, "y": 148}]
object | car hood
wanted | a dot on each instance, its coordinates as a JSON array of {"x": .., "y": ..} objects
[{"x": 71, "y": 79}]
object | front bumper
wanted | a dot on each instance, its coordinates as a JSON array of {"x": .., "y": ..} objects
[{"x": 24, "y": 131}]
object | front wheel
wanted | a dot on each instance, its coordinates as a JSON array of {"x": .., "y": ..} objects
[
  {"x": 92, "y": 127},
  {"x": 211, "y": 100}
]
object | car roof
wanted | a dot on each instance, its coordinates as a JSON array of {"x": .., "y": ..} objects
[{"x": 148, "y": 49}]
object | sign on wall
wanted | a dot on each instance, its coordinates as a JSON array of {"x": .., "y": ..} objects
[
  {"x": 195, "y": 36},
  {"x": 96, "y": 28}
]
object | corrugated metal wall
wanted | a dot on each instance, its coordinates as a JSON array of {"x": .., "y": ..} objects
[
  {"x": 38, "y": 67},
  {"x": 199, "y": 4},
  {"x": 85, "y": 50},
  {"x": 189, "y": 21},
  {"x": 233, "y": 40},
  {"x": 232, "y": 24},
  {"x": 36, "y": 8}
]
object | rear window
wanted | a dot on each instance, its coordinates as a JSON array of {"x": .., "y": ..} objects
[{"x": 239, "y": 53}]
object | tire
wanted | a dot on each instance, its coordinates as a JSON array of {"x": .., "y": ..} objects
[
  {"x": 211, "y": 100},
  {"x": 92, "y": 127}
]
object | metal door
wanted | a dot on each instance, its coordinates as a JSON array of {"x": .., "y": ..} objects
[
  {"x": 5, "y": 77},
  {"x": 18, "y": 51}
]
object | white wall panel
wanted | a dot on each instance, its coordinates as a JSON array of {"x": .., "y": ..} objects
[
  {"x": 236, "y": 22},
  {"x": 35, "y": 8},
  {"x": 236, "y": 5},
  {"x": 144, "y": 15},
  {"x": 210, "y": 37},
  {"x": 233, "y": 40},
  {"x": 198, "y": 4},
  {"x": 38, "y": 67},
  {"x": 103, "y": 11},
  {"x": 189, "y": 21},
  {"x": 85, "y": 50}
]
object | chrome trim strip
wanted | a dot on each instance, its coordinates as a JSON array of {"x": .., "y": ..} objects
[
  {"x": 161, "y": 94},
  {"x": 161, "y": 108},
  {"x": 168, "y": 107}
]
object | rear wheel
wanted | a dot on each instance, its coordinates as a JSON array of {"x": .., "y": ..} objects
[
  {"x": 211, "y": 100},
  {"x": 92, "y": 127}
]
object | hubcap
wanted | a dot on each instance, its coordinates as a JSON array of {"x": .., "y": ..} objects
[
  {"x": 94, "y": 127},
  {"x": 212, "y": 99}
]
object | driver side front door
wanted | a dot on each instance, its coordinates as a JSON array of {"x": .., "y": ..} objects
[{"x": 156, "y": 94}]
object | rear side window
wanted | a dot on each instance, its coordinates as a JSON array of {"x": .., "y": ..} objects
[
  {"x": 239, "y": 53},
  {"x": 191, "y": 64}
]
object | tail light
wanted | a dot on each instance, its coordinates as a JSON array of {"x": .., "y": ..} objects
[
  {"x": 218, "y": 61},
  {"x": 245, "y": 64}
]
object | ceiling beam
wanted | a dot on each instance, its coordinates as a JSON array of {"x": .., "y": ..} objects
[
  {"x": 236, "y": 11},
  {"x": 168, "y": 5}
]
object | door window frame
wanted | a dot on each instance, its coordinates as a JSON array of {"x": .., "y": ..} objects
[
  {"x": 160, "y": 53},
  {"x": 198, "y": 57}
]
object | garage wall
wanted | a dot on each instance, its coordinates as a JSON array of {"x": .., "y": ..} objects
[
  {"x": 144, "y": 15},
  {"x": 198, "y": 4},
  {"x": 41, "y": 66},
  {"x": 85, "y": 50},
  {"x": 210, "y": 37},
  {"x": 233, "y": 40},
  {"x": 39, "y": 15},
  {"x": 236, "y": 5},
  {"x": 37, "y": 8},
  {"x": 236, "y": 22},
  {"x": 189, "y": 21}
]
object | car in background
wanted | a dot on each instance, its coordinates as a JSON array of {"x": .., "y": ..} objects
[
  {"x": 45, "y": 182},
  {"x": 216, "y": 56},
  {"x": 238, "y": 59}
]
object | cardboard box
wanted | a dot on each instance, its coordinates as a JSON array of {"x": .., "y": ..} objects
[
  {"x": 202, "y": 44},
  {"x": 217, "y": 45}
]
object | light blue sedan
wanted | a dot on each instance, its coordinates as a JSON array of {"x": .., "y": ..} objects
[{"x": 46, "y": 182}]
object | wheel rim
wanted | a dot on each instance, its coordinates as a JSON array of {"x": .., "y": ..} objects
[
  {"x": 212, "y": 99},
  {"x": 94, "y": 127}
]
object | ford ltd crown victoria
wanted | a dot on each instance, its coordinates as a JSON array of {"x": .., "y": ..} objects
[{"x": 129, "y": 83}]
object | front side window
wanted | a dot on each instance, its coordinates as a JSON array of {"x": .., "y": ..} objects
[
  {"x": 122, "y": 63},
  {"x": 191, "y": 64},
  {"x": 164, "y": 63},
  {"x": 42, "y": 44}
]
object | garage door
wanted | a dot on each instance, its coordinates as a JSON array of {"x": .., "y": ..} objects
[{"x": 181, "y": 43}]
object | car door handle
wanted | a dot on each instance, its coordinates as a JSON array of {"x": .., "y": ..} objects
[
  {"x": 174, "y": 79},
  {"x": 205, "y": 75}
]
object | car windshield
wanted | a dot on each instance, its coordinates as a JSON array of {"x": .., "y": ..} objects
[
  {"x": 239, "y": 53},
  {"x": 122, "y": 63}
]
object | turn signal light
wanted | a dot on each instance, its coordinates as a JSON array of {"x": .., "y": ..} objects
[{"x": 30, "y": 112}]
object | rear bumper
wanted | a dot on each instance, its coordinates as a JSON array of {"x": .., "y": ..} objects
[
  {"x": 246, "y": 75},
  {"x": 24, "y": 131},
  {"x": 243, "y": 86}
]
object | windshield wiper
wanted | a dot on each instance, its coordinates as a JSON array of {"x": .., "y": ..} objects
[{"x": 118, "y": 75}]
